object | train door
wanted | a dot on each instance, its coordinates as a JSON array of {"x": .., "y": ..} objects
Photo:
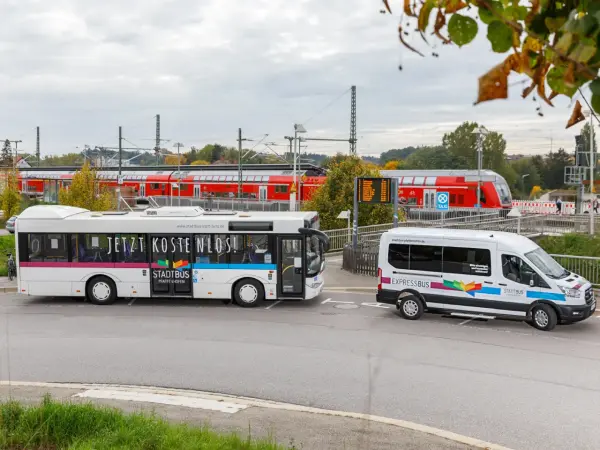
[
  {"x": 428, "y": 198},
  {"x": 197, "y": 190},
  {"x": 142, "y": 189},
  {"x": 262, "y": 193}
]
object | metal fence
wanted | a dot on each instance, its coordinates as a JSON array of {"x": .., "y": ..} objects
[
  {"x": 224, "y": 204},
  {"x": 586, "y": 266}
]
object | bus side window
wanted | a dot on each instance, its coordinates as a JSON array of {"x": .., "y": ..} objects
[
  {"x": 130, "y": 248},
  {"x": 95, "y": 248},
  {"x": 250, "y": 249},
  {"x": 35, "y": 246},
  {"x": 48, "y": 248}
]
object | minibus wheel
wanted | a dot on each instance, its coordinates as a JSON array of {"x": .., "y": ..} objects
[
  {"x": 248, "y": 293},
  {"x": 543, "y": 317},
  {"x": 411, "y": 307},
  {"x": 101, "y": 291}
]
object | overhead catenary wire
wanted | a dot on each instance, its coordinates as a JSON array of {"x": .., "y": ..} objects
[{"x": 326, "y": 106}]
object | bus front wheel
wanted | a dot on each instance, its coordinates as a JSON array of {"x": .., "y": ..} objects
[
  {"x": 101, "y": 291},
  {"x": 248, "y": 293}
]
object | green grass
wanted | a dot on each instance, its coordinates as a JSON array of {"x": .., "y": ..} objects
[
  {"x": 571, "y": 244},
  {"x": 56, "y": 426},
  {"x": 7, "y": 245}
]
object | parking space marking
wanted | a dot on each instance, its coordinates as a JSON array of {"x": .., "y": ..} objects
[
  {"x": 376, "y": 305},
  {"x": 335, "y": 301},
  {"x": 273, "y": 304},
  {"x": 131, "y": 302}
]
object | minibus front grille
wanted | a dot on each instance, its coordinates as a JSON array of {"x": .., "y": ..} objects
[{"x": 589, "y": 295}]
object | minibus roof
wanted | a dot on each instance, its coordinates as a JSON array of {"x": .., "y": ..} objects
[{"x": 503, "y": 239}]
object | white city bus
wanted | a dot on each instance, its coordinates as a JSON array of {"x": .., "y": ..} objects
[{"x": 170, "y": 252}]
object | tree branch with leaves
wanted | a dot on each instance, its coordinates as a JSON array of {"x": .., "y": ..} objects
[{"x": 554, "y": 43}]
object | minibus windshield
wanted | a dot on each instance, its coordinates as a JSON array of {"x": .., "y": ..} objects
[{"x": 546, "y": 264}]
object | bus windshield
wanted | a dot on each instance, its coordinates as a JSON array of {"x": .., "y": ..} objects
[
  {"x": 546, "y": 264},
  {"x": 314, "y": 255}
]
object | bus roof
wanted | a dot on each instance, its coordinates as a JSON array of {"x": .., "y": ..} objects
[
  {"x": 503, "y": 239},
  {"x": 44, "y": 218}
]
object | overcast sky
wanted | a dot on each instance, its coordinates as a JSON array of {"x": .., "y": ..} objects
[{"x": 80, "y": 68}]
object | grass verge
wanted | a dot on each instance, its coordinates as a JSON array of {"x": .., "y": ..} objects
[
  {"x": 7, "y": 245},
  {"x": 56, "y": 426}
]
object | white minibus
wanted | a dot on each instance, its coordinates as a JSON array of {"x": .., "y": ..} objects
[
  {"x": 170, "y": 252},
  {"x": 472, "y": 273}
]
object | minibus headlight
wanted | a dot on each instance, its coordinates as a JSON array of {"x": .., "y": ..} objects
[{"x": 570, "y": 292}]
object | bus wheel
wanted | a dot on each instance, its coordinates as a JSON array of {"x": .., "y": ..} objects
[
  {"x": 543, "y": 317},
  {"x": 411, "y": 308},
  {"x": 101, "y": 291},
  {"x": 248, "y": 293}
]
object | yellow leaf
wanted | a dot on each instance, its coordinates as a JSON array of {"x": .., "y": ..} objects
[
  {"x": 576, "y": 116},
  {"x": 424, "y": 14},
  {"x": 440, "y": 21},
  {"x": 493, "y": 85},
  {"x": 407, "y": 9},
  {"x": 453, "y": 6}
]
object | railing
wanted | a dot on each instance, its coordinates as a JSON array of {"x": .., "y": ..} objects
[
  {"x": 586, "y": 266},
  {"x": 222, "y": 204}
]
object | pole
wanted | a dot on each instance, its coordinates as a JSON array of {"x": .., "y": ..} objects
[
  {"x": 240, "y": 164},
  {"x": 395, "y": 192},
  {"x": 479, "y": 163},
  {"x": 157, "y": 145},
  {"x": 353, "y": 121},
  {"x": 178, "y": 145},
  {"x": 119, "y": 176},
  {"x": 37, "y": 145},
  {"x": 294, "y": 185},
  {"x": 592, "y": 167},
  {"x": 355, "y": 216}
]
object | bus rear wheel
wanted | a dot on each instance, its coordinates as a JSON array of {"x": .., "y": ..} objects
[
  {"x": 248, "y": 293},
  {"x": 101, "y": 291}
]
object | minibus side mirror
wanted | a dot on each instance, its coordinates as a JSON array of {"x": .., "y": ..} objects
[{"x": 532, "y": 282}]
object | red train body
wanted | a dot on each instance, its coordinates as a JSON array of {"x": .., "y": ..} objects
[{"x": 271, "y": 182}]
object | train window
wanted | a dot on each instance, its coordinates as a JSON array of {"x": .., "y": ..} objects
[
  {"x": 461, "y": 200},
  {"x": 265, "y": 178},
  {"x": 419, "y": 181},
  {"x": 235, "y": 178},
  {"x": 154, "y": 186},
  {"x": 245, "y": 178},
  {"x": 202, "y": 177},
  {"x": 452, "y": 198},
  {"x": 222, "y": 178},
  {"x": 430, "y": 181},
  {"x": 229, "y": 178},
  {"x": 250, "y": 177},
  {"x": 209, "y": 177},
  {"x": 407, "y": 181}
]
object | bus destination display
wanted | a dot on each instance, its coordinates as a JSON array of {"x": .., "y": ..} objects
[{"x": 374, "y": 190}]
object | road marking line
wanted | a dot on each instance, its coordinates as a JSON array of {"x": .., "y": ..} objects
[
  {"x": 336, "y": 301},
  {"x": 466, "y": 321},
  {"x": 131, "y": 302},
  {"x": 164, "y": 399},
  {"x": 376, "y": 305},
  {"x": 273, "y": 304}
]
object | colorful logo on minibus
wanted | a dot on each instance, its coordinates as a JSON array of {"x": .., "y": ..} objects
[{"x": 460, "y": 286}]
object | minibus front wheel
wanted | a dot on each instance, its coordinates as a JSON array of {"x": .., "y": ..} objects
[{"x": 543, "y": 317}]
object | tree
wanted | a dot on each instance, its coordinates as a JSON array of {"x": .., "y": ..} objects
[
  {"x": 527, "y": 176},
  {"x": 553, "y": 43},
  {"x": 337, "y": 194},
  {"x": 200, "y": 162},
  {"x": 586, "y": 139},
  {"x": 397, "y": 154},
  {"x": 553, "y": 173},
  {"x": 462, "y": 143},
  {"x": 85, "y": 192},
  {"x": 392, "y": 165},
  {"x": 10, "y": 199},
  {"x": 433, "y": 158},
  {"x": 171, "y": 160},
  {"x": 6, "y": 159}
]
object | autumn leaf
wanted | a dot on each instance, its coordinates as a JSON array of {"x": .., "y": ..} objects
[
  {"x": 534, "y": 9},
  {"x": 424, "y": 14},
  {"x": 528, "y": 90},
  {"x": 440, "y": 21},
  {"x": 552, "y": 95},
  {"x": 576, "y": 116},
  {"x": 453, "y": 6},
  {"x": 407, "y": 9},
  {"x": 493, "y": 85},
  {"x": 540, "y": 80},
  {"x": 387, "y": 6}
]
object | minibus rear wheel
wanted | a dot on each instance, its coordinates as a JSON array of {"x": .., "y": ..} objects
[
  {"x": 411, "y": 307},
  {"x": 543, "y": 317}
]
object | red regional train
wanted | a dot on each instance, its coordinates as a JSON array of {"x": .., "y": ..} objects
[
  {"x": 260, "y": 182},
  {"x": 418, "y": 188},
  {"x": 273, "y": 182}
]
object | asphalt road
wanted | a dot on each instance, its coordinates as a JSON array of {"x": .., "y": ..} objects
[{"x": 499, "y": 381}]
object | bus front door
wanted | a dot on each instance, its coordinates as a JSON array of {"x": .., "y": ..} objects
[
  {"x": 171, "y": 273},
  {"x": 290, "y": 271}
]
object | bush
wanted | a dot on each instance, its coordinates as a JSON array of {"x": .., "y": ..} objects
[
  {"x": 54, "y": 425},
  {"x": 7, "y": 245},
  {"x": 571, "y": 244}
]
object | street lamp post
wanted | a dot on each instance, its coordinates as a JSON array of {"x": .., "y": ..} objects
[
  {"x": 298, "y": 128},
  {"x": 481, "y": 132},
  {"x": 178, "y": 145}
]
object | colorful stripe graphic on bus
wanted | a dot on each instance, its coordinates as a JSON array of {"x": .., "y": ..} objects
[
  {"x": 471, "y": 288},
  {"x": 163, "y": 263},
  {"x": 177, "y": 265}
]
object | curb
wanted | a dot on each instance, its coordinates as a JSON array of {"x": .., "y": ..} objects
[
  {"x": 368, "y": 290},
  {"x": 8, "y": 289},
  {"x": 459, "y": 438}
]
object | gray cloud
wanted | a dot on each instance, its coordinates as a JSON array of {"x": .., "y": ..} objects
[{"x": 78, "y": 69}]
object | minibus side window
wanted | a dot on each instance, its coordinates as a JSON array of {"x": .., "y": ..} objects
[
  {"x": 427, "y": 258},
  {"x": 398, "y": 256},
  {"x": 467, "y": 261},
  {"x": 517, "y": 270}
]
